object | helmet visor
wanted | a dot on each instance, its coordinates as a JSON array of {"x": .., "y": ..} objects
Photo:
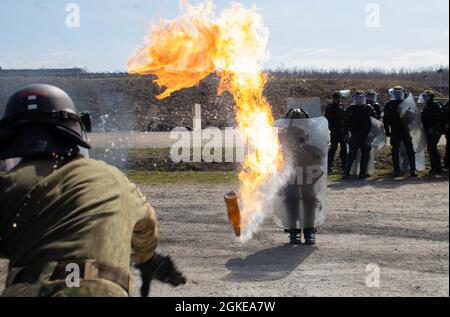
[
  {"x": 345, "y": 93},
  {"x": 359, "y": 99},
  {"x": 372, "y": 97},
  {"x": 397, "y": 95}
]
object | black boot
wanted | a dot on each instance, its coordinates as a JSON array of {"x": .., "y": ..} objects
[
  {"x": 310, "y": 236},
  {"x": 396, "y": 174},
  {"x": 295, "y": 236},
  {"x": 414, "y": 174}
]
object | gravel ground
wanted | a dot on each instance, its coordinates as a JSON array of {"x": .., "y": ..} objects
[{"x": 401, "y": 226}]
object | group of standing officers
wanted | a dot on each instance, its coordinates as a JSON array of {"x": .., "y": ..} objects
[{"x": 350, "y": 129}]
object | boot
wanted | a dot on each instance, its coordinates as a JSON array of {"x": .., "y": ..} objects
[
  {"x": 310, "y": 237},
  {"x": 396, "y": 174},
  {"x": 295, "y": 236}
]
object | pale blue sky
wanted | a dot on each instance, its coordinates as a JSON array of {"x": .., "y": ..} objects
[{"x": 303, "y": 33}]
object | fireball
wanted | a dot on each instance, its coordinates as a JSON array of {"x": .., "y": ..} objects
[{"x": 183, "y": 51}]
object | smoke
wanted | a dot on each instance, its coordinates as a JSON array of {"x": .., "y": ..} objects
[{"x": 269, "y": 192}]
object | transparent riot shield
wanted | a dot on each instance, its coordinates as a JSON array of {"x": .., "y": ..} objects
[
  {"x": 377, "y": 137},
  {"x": 302, "y": 201},
  {"x": 377, "y": 141},
  {"x": 356, "y": 167},
  {"x": 412, "y": 119}
]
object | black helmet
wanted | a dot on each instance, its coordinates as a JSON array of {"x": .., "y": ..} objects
[
  {"x": 297, "y": 114},
  {"x": 430, "y": 94},
  {"x": 398, "y": 93},
  {"x": 426, "y": 97},
  {"x": 337, "y": 95},
  {"x": 41, "y": 120},
  {"x": 359, "y": 97}
]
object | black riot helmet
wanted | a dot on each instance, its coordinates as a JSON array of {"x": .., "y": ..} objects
[
  {"x": 337, "y": 96},
  {"x": 426, "y": 97},
  {"x": 372, "y": 96},
  {"x": 297, "y": 114},
  {"x": 41, "y": 120},
  {"x": 359, "y": 98}
]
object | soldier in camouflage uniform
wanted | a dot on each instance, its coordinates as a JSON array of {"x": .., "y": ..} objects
[{"x": 63, "y": 213}]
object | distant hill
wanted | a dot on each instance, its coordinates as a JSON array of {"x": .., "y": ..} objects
[
  {"x": 127, "y": 102},
  {"x": 43, "y": 72}
]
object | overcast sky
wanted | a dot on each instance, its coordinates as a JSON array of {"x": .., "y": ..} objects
[{"x": 303, "y": 33}]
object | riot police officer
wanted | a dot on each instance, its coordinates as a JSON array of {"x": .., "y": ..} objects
[
  {"x": 357, "y": 123},
  {"x": 299, "y": 199},
  {"x": 335, "y": 115},
  {"x": 61, "y": 209},
  {"x": 372, "y": 100},
  {"x": 398, "y": 131},
  {"x": 433, "y": 123}
]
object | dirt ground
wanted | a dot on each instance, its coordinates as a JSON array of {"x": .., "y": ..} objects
[{"x": 400, "y": 226}]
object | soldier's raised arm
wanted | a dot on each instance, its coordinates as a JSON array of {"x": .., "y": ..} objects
[
  {"x": 145, "y": 234},
  {"x": 151, "y": 264}
]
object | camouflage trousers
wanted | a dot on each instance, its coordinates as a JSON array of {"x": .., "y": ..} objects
[{"x": 93, "y": 287}]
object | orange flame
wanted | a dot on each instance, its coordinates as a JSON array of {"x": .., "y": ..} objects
[{"x": 184, "y": 51}]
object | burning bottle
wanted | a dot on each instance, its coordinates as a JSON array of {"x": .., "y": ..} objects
[{"x": 234, "y": 213}]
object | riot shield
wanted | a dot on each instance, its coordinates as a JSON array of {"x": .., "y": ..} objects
[
  {"x": 377, "y": 136},
  {"x": 302, "y": 201},
  {"x": 412, "y": 119},
  {"x": 356, "y": 167},
  {"x": 376, "y": 140}
]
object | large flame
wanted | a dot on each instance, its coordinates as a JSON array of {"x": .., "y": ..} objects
[{"x": 184, "y": 51}]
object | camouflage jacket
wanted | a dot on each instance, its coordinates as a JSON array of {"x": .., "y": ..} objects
[{"x": 85, "y": 210}]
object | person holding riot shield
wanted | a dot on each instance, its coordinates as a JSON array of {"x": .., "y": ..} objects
[
  {"x": 335, "y": 115},
  {"x": 433, "y": 119},
  {"x": 357, "y": 125},
  {"x": 398, "y": 131},
  {"x": 301, "y": 204}
]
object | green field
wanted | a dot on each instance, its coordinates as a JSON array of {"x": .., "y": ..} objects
[{"x": 152, "y": 166}]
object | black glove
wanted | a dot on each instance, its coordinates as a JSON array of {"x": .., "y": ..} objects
[{"x": 162, "y": 269}]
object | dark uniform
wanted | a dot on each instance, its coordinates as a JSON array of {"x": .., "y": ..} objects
[
  {"x": 335, "y": 114},
  {"x": 433, "y": 123},
  {"x": 357, "y": 122},
  {"x": 399, "y": 133}
]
